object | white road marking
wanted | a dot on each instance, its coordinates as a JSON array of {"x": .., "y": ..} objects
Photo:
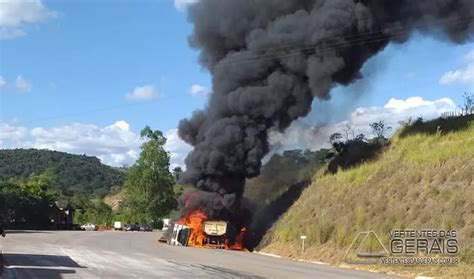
[{"x": 269, "y": 255}]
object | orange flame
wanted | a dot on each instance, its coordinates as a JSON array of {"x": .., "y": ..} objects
[
  {"x": 195, "y": 221},
  {"x": 239, "y": 241},
  {"x": 198, "y": 238}
]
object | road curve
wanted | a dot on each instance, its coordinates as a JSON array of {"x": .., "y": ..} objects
[{"x": 78, "y": 254}]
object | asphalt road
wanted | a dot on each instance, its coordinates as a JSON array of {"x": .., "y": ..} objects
[{"x": 78, "y": 254}]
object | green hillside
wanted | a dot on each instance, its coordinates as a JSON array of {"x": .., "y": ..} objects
[
  {"x": 282, "y": 171},
  {"x": 76, "y": 173},
  {"x": 424, "y": 179}
]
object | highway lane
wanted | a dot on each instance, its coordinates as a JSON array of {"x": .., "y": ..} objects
[{"x": 78, "y": 254}]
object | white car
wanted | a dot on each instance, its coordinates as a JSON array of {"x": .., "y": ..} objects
[
  {"x": 89, "y": 227},
  {"x": 118, "y": 226}
]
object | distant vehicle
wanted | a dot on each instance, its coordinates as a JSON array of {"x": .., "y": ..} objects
[
  {"x": 131, "y": 228},
  {"x": 118, "y": 226},
  {"x": 146, "y": 228},
  {"x": 166, "y": 224},
  {"x": 89, "y": 227}
]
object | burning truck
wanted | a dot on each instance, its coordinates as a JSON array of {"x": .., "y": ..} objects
[{"x": 197, "y": 230}]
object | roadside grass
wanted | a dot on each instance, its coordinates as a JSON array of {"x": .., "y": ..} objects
[{"x": 423, "y": 180}]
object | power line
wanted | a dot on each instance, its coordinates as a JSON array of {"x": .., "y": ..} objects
[
  {"x": 319, "y": 46},
  {"x": 378, "y": 32},
  {"x": 391, "y": 29}
]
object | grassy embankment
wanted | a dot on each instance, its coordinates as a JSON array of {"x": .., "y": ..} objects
[{"x": 424, "y": 179}]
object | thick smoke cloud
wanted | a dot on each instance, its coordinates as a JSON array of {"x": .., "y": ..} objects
[{"x": 269, "y": 59}]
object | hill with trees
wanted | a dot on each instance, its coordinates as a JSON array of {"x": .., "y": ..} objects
[
  {"x": 31, "y": 181},
  {"x": 422, "y": 178},
  {"x": 77, "y": 174}
]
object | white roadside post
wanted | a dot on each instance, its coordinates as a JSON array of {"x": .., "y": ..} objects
[{"x": 302, "y": 237}]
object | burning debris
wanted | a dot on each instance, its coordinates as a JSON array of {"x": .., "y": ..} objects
[{"x": 269, "y": 60}]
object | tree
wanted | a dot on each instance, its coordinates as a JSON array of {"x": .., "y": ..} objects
[
  {"x": 359, "y": 138},
  {"x": 27, "y": 202},
  {"x": 149, "y": 186},
  {"x": 10, "y": 200},
  {"x": 336, "y": 141},
  {"x": 79, "y": 217},
  {"x": 349, "y": 132},
  {"x": 334, "y": 138},
  {"x": 379, "y": 129},
  {"x": 44, "y": 186},
  {"x": 98, "y": 213},
  {"x": 468, "y": 102},
  {"x": 177, "y": 171}
]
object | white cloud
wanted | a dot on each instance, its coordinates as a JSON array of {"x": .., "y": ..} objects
[
  {"x": 12, "y": 132},
  {"x": 461, "y": 76},
  {"x": 114, "y": 144},
  {"x": 142, "y": 93},
  {"x": 15, "y": 15},
  {"x": 122, "y": 125},
  {"x": 197, "y": 90},
  {"x": 177, "y": 147},
  {"x": 2, "y": 82},
  {"x": 301, "y": 135},
  {"x": 22, "y": 85},
  {"x": 181, "y": 5}
]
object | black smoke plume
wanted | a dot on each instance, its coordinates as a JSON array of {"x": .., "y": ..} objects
[{"x": 270, "y": 58}]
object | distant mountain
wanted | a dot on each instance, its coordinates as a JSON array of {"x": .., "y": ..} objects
[{"x": 76, "y": 173}]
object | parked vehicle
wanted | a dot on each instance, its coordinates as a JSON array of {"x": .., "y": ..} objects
[
  {"x": 146, "y": 228},
  {"x": 118, "y": 226},
  {"x": 89, "y": 227},
  {"x": 131, "y": 228}
]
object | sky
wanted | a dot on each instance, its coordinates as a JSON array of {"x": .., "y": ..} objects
[{"x": 86, "y": 76}]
